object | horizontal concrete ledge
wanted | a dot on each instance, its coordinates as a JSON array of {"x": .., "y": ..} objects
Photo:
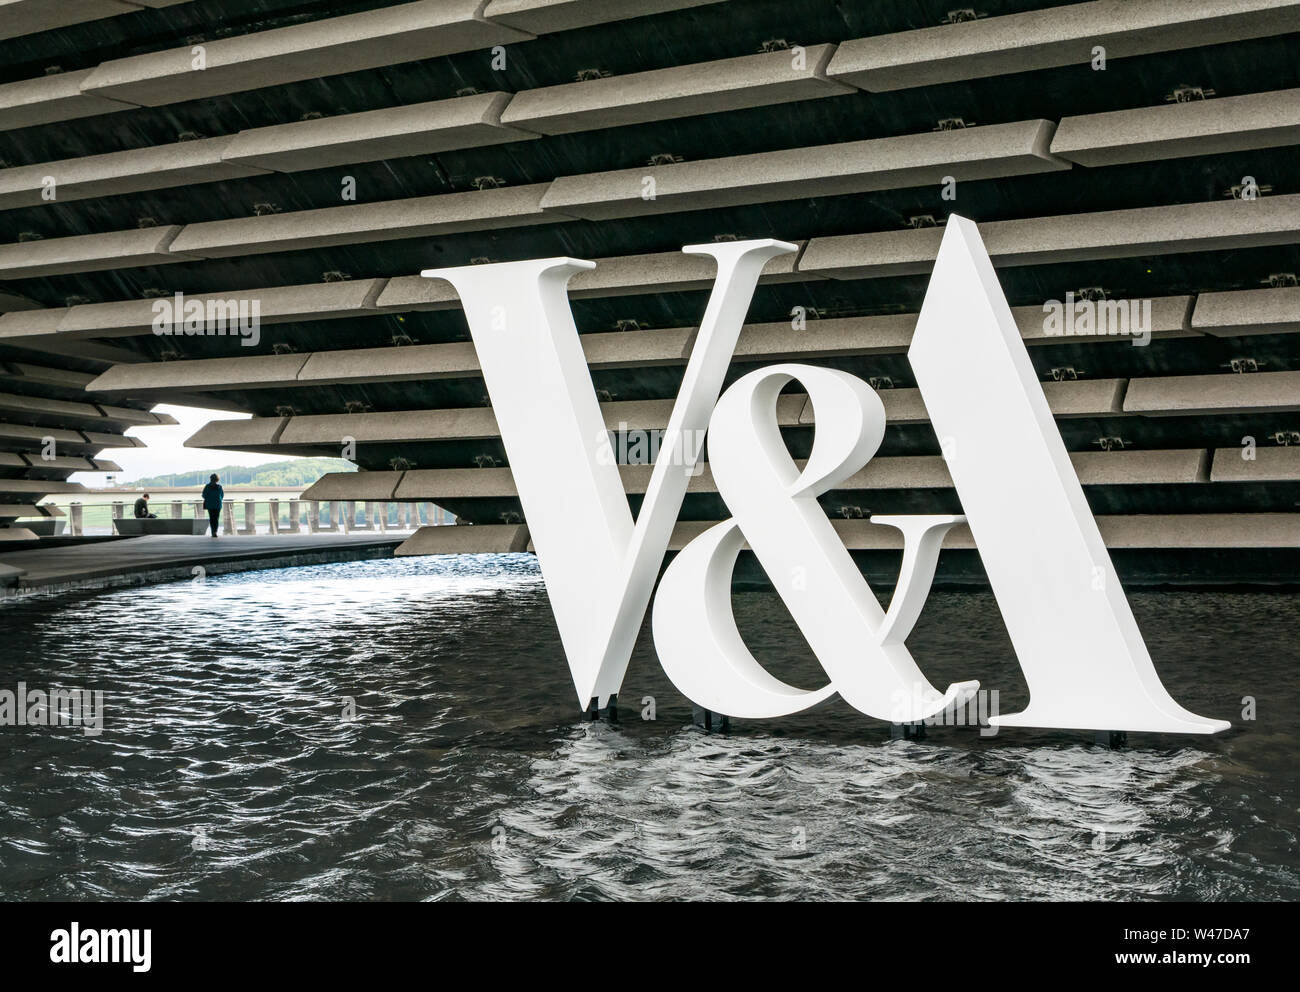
[
  {"x": 51, "y": 99},
  {"x": 418, "y": 129},
  {"x": 466, "y": 539},
  {"x": 90, "y": 253},
  {"x": 418, "y": 217},
  {"x": 249, "y": 434},
  {"x": 680, "y": 91},
  {"x": 23, "y": 17},
  {"x": 276, "y": 305},
  {"x": 1186, "y": 227},
  {"x": 403, "y": 32},
  {"x": 1176, "y": 130},
  {"x": 1252, "y": 311},
  {"x": 547, "y": 16},
  {"x": 1094, "y": 468},
  {"x": 802, "y": 173},
  {"x": 1078, "y": 398},
  {"x": 1256, "y": 464},
  {"x": 37, "y": 487},
  {"x": 396, "y": 132},
  {"x": 353, "y": 486},
  {"x": 830, "y": 337},
  {"x": 20, "y": 511},
  {"x": 157, "y": 167},
  {"x": 1055, "y": 36},
  {"x": 1183, "y": 395}
]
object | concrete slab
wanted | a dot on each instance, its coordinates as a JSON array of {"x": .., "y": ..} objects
[
  {"x": 276, "y": 305},
  {"x": 253, "y": 372},
  {"x": 396, "y": 132},
  {"x": 353, "y": 486},
  {"x": 680, "y": 91},
  {"x": 158, "y": 167},
  {"x": 50, "y": 99},
  {"x": 249, "y": 435},
  {"x": 1245, "y": 312},
  {"x": 1054, "y": 36},
  {"x": 1270, "y": 220},
  {"x": 802, "y": 173},
  {"x": 407, "y": 363},
  {"x": 1231, "y": 393},
  {"x": 390, "y": 35},
  {"x": 1176, "y": 130},
  {"x": 390, "y": 220},
  {"x": 1268, "y": 464},
  {"x": 90, "y": 253},
  {"x": 546, "y": 16},
  {"x": 466, "y": 539}
]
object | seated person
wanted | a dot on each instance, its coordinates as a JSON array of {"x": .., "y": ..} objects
[{"x": 142, "y": 509}]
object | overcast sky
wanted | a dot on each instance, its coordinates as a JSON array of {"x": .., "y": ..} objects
[{"x": 166, "y": 452}]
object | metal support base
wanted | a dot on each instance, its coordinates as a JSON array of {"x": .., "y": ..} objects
[
  {"x": 1111, "y": 738},
  {"x": 709, "y": 721},
  {"x": 906, "y": 731},
  {"x": 609, "y": 714}
]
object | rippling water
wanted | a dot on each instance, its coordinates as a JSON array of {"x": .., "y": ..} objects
[{"x": 226, "y": 768}]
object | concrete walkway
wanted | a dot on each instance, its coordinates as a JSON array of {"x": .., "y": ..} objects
[{"x": 164, "y": 558}]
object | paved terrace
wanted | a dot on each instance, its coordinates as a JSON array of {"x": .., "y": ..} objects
[{"x": 164, "y": 558}]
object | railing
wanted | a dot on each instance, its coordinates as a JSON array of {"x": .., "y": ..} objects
[{"x": 270, "y": 516}]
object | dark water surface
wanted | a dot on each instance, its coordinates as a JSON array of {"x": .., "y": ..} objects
[{"x": 226, "y": 770}]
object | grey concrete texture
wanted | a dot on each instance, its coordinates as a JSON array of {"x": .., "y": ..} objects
[
  {"x": 132, "y": 171},
  {"x": 1253, "y": 311},
  {"x": 547, "y": 16},
  {"x": 23, "y": 17},
  {"x": 1177, "y": 130},
  {"x": 385, "y": 36},
  {"x": 90, "y": 253},
  {"x": 1053, "y": 36},
  {"x": 1186, "y": 227},
  {"x": 681, "y": 91},
  {"x": 1227, "y": 393},
  {"x": 798, "y": 173},
  {"x": 466, "y": 539},
  {"x": 389, "y": 220},
  {"x": 1258, "y": 464}
]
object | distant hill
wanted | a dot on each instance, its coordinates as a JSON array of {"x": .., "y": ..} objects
[{"x": 298, "y": 472}]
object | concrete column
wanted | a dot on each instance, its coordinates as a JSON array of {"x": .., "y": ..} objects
[
  {"x": 250, "y": 517},
  {"x": 274, "y": 506},
  {"x": 295, "y": 508},
  {"x": 381, "y": 515},
  {"x": 178, "y": 509},
  {"x": 74, "y": 519},
  {"x": 227, "y": 517},
  {"x": 348, "y": 517},
  {"x": 117, "y": 509}
]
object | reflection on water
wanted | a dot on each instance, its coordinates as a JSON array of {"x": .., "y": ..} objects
[{"x": 407, "y": 729}]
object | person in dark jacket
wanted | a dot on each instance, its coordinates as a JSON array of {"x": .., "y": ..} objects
[
  {"x": 213, "y": 495},
  {"x": 142, "y": 509}
]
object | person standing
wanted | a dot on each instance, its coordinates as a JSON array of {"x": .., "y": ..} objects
[{"x": 213, "y": 496}]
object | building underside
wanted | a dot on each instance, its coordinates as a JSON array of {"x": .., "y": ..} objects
[{"x": 327, "y": 152}]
